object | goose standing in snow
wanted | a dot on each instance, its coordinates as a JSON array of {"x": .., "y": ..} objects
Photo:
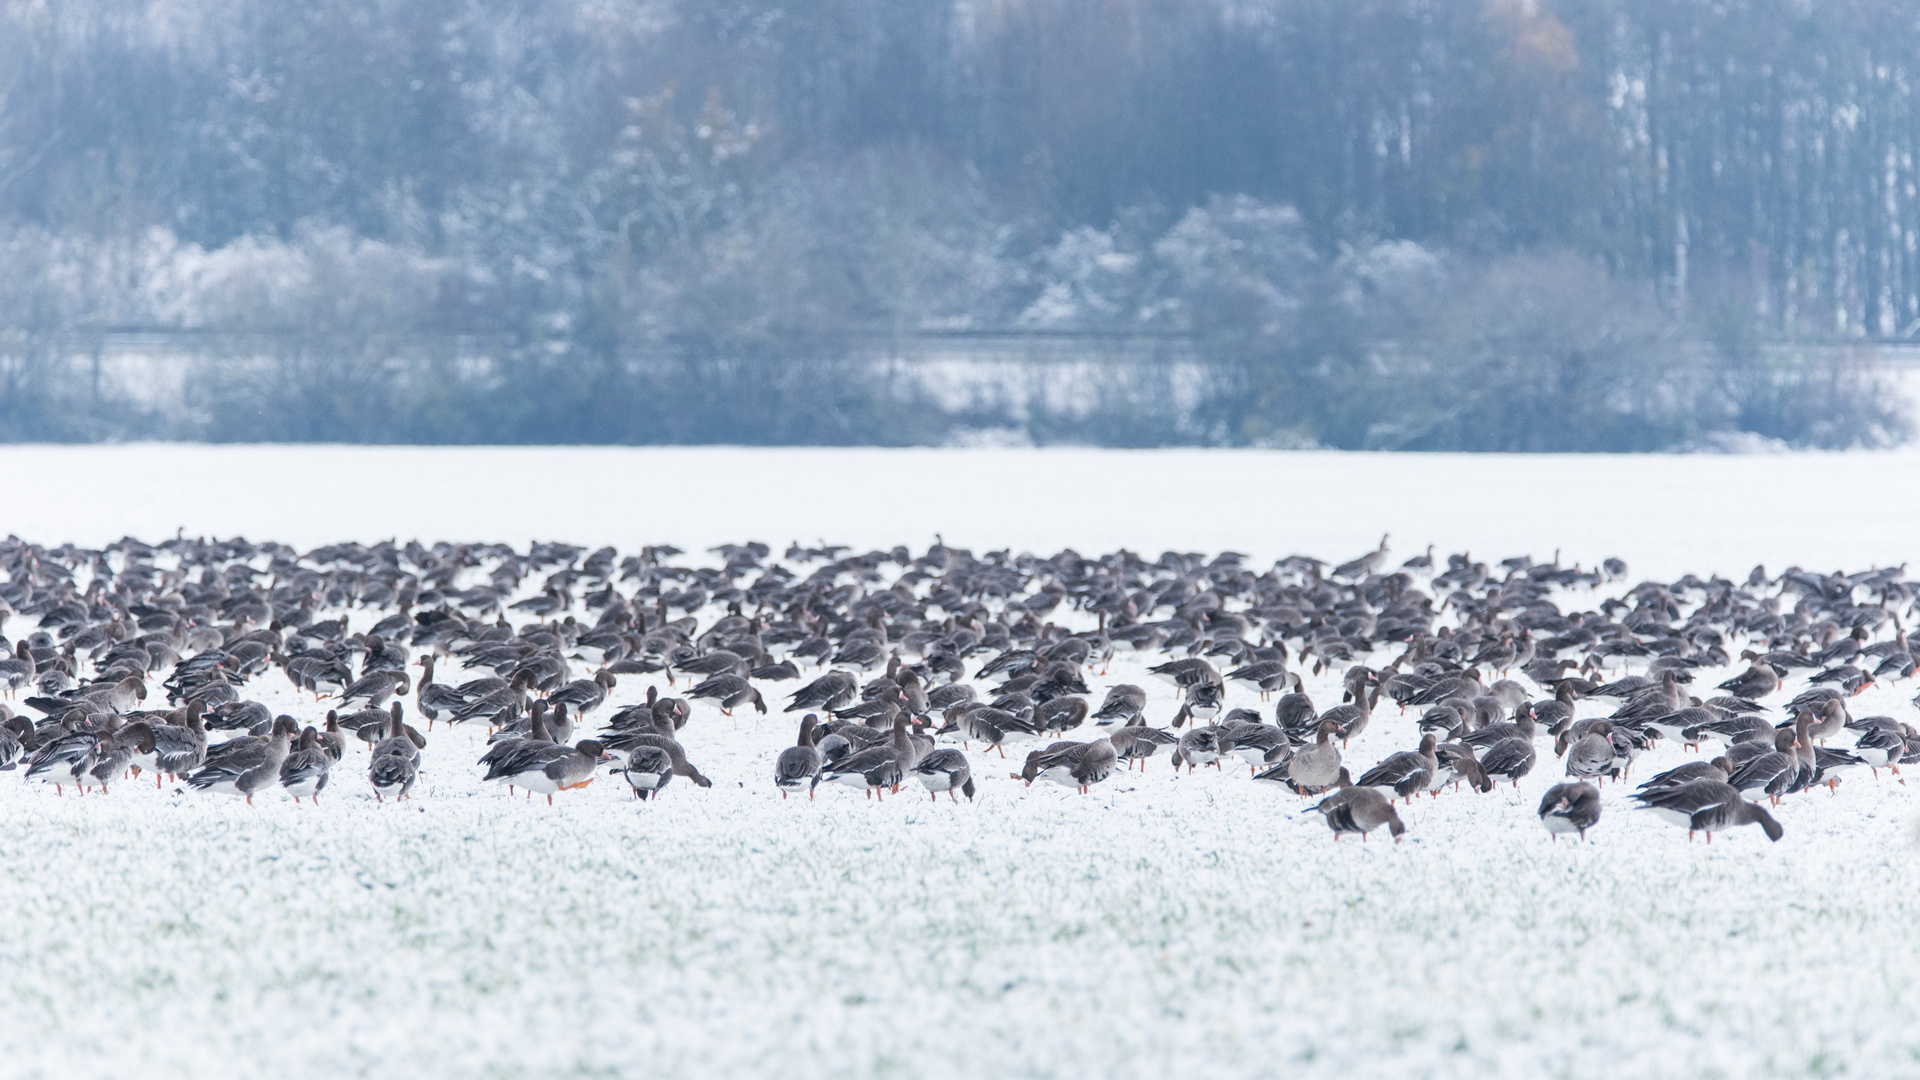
[
  {"x": 1570, "y": 808},
  {"x": 250, "y": 767},
  {"x": 649, "y": 770},
  {"x": 876, "y": 769},
  {"x": 1406, "y": 772},
  {"x": 1315, "y": 768},
  {"x": 304, "y": 772},
  {"x": 1708, "y": 806},
  {"x": 797, "y": 765},
  {"x": 1359, "y": 810},
  {"x": 945, "y": 769}
]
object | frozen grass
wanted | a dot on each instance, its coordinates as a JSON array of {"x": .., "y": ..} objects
[{"x": 1163, "y": 926}]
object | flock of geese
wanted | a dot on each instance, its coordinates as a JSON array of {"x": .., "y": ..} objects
[{"x": 914, "y": 669}]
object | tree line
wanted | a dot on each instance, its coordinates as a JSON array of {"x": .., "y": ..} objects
[{"x": 1420, "y": 224}]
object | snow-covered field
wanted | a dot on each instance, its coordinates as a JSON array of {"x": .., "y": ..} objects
[{"x": 1162, "y": 926}]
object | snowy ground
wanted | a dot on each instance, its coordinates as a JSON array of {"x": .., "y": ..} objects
[{"x": 1162, "y": 926}]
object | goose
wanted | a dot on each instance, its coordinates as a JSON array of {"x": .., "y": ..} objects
[
  {"x": 1406, "y": 772},
  {"x": 11, "y": 745},
  {"x": 1827, "y": 765},
  {"x": 111, "y": 757},
  {"x": 180, "y": 748},
  {"x": 1315, "y": 768},
  {"x": 1094, "y": 766},
  {"x": 1458, "y": 765},
  {"x": 1717, "y": 769},
  {"x": 1590, "y": 755},
  {"x": 511, "y": 698},
  {"x": 1054, "y": 764},
  {"x": 1756, "y": 682},
  {"x": 942, "y": 698},
  {"x": 20, "y": 669},
  {"x": 1138, "y": 742},
  {"x": 332, "y": 740},
  {"x": 1186, "y": 674},
  {"x": 878, "y": 711},
  {"x": 630, "y": 741},
  {"x": 1444, "y": 719},
  {"x": 433, "y": 698},
  {"x": 1123, "y": 703},
  {"x": 827, "y": 692},
  {"x": 564, "y": 768},
  {"x": 1062, "y": 714},
  {"x": 1202, "y": 701},
  {"x": 1832, "y": 717},
  {"x": 1881, "y": 748},
  {"x": 369, "y": 725},
  {"x": 775, "y": 672},
  {"x": 798, "y": 764},
  {"x": 1676, "y": 724},
  {"x": 731, "y": 691},
  {"x": 586, "y": 695},
  {"x": 304, "y": 772},
  {"x": 553, "y": 716},
  {"x": 649, "y": 770},
  {"x": 377, "y": 687},
  {"x": 1557, "y": 713},
  {"x": 945, "y": 769},
  {"x": 138, "y": 745},
  {"x": 1509, "y": 759},
  {"x": 1570, "y": 808},
  {"x": 1255, "y": 743},
  {"x": 1294, "y": 713},
  {"x": 1200, "y": 746},
  {"x": 1352, "y": 717},
  {"x": 717, "y": 662},
  {"x": 1522, "y": 726},
  {"x": 873, "y": 770},
  {"x": 1267, "y": 675},
  {"x": 1420, "y": 564},
  {"x": 401, "y": 739},
  {"x": 1360, "y": 810},
  {"x": 1708, "y": 806},
  {"x": 392, "y": 775},
  {"x": 141, "y": 744},
  {"x": 1770, "y": 773},
  {"x": 247, "y": 765},
  {"x": 507, "y": 758},
  {"x": 1364, "y": 566},
  {"x": 995, "y": 727}
]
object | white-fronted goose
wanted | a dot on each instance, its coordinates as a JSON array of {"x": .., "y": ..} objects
[
  {"x": 1123, "y": 703},
  {"x": 1094, "y": 766},
  {"x": 1316, "y": 767},
  {"x": 1570, "y": 808},
  {"x": 248, "y": 765},
  {"x": 565, "y": 768},
  {"x": 1707, "y": 806},
  {"x": 1137, "y": 742},
  {"x": 1509, "y": 759},
  {"x": 1360, "y": 810},
  {"x": 304, "y": 772},
  {"x": 945, "y": 769},
  {"x": 649, "y": 770},
  {"x": 1406, "y": 772},
  {"x": 731, "y": 692},
  {"x": 798, "y": 764},
  {"x": 873, "y": 770},
  {"x": 1770, "y": 773},
  {"x": 1201, "y": 746},
  {"x": 1590, "y": 756}
]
